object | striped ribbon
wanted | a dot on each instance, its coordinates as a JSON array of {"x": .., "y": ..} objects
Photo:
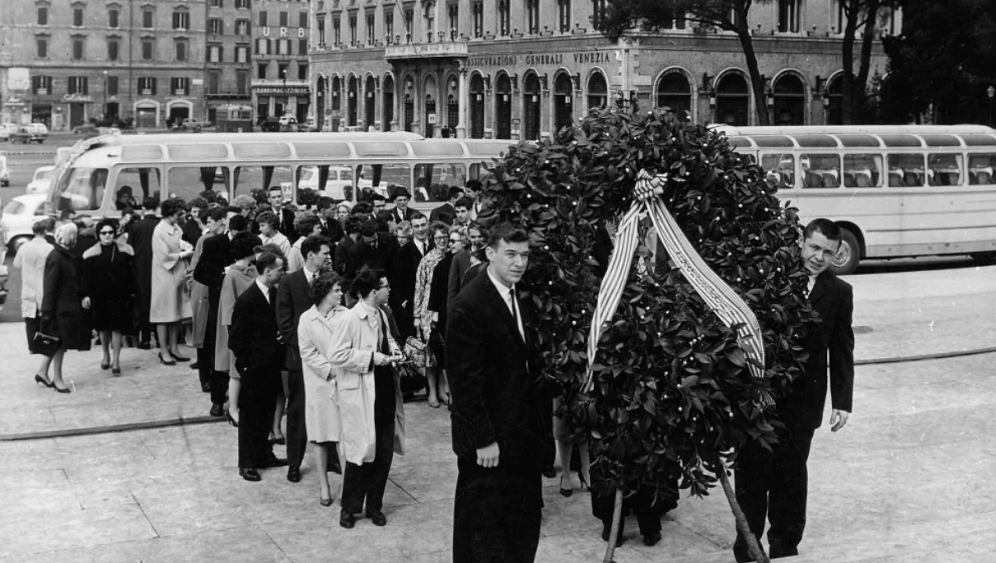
[{"x": 719, "y": 296}]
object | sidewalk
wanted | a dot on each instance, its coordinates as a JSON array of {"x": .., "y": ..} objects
[{"x": 909, "y": 479}]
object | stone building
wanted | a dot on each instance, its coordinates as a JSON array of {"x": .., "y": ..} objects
[
  {"x": 65, "y": 62},
  {"x": 228, "y": 55},
  {"x": 280, "y": 55},
  {"x": 523, "y": 68}
]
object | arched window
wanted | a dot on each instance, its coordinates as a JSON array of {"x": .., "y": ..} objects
[
  {"x": 431, "y": 96},
  {"x": 453, "y": 106},
  {"x": 370, "y": 105},
  {"x": 733, "y": 100},
  {"x": 790, "y": 101},
  {"x": 409, "y": 103},
  {"x": 674, "y": 92},
  {"x": 388, "y": 98},
  {"x": 320, "y": 98},
  {"x": 563, "y": 106},
  {"x": 598, "y": 91},
  {"x": 503, "y": 107},
  {"x": 531, "y": 106},
  {"x": 835, "y": 99},
  {"x": 352, "y": 101},
  {"x": 477, "y": 107},
  {"x": 335, "y": 102}
]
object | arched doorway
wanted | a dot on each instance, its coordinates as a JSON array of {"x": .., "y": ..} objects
[
  {"x": 503, "y": 107},
  {"x": 453, "y": 106},
  {"x": 531, "y": 106},
  {"x": 733, "y": 100},
  {"x": 336, "y": 102},
  {"x": 409, "y": 103},
  {"x": 598, "y": 91},
  {"x": 351, "y": 102},
  {"x": 388, "y": 111},
  {"x": 320, "y": 94},
  {"x": 790, "y": 101},
  {"x": 674, "y": 92},
  {"x": 835, "y": 99},
  {"x": 370, "y": 107},
  {"x": 477, "y": 107},
  {"x": 431, "y": 95},
  {"x": 563, "y": 110}
]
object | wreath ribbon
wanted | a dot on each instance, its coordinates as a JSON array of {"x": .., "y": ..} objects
[{"x": 717, "y": 294}]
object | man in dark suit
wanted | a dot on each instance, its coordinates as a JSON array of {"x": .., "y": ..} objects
[
  {"x": 773, "y": 483},
  {"x": 285, "y": 217},
  {"x": 254, "y": 340},
  {"x": 461, "y": 261},
  {"x": 140, "y": 238},
  {"x": 447, "y": 211},
  {"x": 405, "y": 267},
  {"x": 352, "y": 230},
  {"x": 498, "y": 411},
  {"x": 375, "y": 250},
  {"x": 401, "y": 211},
  {"x": 293, "y": 299},
  {"x": 193, "y": 228},
  {"x": 331, "y": 227}
]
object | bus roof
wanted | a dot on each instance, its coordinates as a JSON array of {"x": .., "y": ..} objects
[{"x": 860, "y": 136}]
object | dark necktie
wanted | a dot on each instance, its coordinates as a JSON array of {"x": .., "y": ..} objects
[
  {"x": 515, "y": 310},
  {"x": 271, "y": 295}
]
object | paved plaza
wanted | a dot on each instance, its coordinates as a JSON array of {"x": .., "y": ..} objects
[{"x": 909, "y": 479}]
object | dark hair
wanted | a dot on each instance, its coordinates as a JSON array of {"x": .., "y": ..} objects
[
  {"x": 384, "y": 216},
  {"x": 418, "y": 215},
  {"x": 464, "y": 202},
  {"x": 324, "y": 203},
  {"x": 477, "y": 226},
  {"x": 366, "y": 280},
  {"x": 215, "y": 213},
  {"x": 362, "y": 207},
  {"x": 353, "y": 223},
  {"x": 107, "y": 222},
  {"x": 827, "y": 227},
  {"x": 199, "y": 203},
  {"x": 305, "y": 223},
  {"x": 322, "y": 285},
  {"x": 126, "y": 210},
  {"x": 150, "y": 203},
  {"x": 267, "y": 260},
  {"x": 314, "y": 244},
  {"x": 209, "y": 196},
  {"x": 438, "y": 226},
  {"x": 508, "y": 232},
  {"x": 237, "y": 223},
  {"x": 243, "y": 244},
  {"x": 43, "y": 226},
  {"x": 270, "y": 247},
  {"x": 268, "y": 217},
  {"x": 275, "y": 188},
  {"x": 171, "y": 207},
  {"x": 454, "y": 192},
  {"x": 369, "y": 228},
  {"x": 474, "y": 185},
  {"x": 481, "y": 255}
]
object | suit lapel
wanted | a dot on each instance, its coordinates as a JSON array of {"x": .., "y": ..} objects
[
  {"x": 820, "y": 287},
  {"x": 501, "y": 307}
]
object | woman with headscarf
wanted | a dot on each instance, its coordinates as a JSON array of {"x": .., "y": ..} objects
[
  {"x": 439, "y": 232},
  {"x": 169, "y": 264},
  {"x": 107, "y": 285},
  {"x": 61, "y": 312}
]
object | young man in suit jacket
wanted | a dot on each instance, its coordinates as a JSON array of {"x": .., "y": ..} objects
[
  {"x": 331, "y": 227},
  {"x": 405, "y": 268},
  {"x": 447, "y": 211},
  {"x": 375, "y": 250},
  {"x": 293, "y": 299},
  {"x": 461, "y": 260},
  {"x": 254, "y": 340},
  {"x": 498, "y": 411},
  {"x": 774, "y": 483},
  {"x": 140, "y": 238}
]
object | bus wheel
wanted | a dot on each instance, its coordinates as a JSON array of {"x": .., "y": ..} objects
[
  {"x": 848, "y": 256},
  {"x": 984, "y": 257}
]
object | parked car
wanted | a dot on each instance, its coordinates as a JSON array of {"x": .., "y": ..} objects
[
  {"x": 20, "y": 215},
  {"x": 39, "y": 129},
  {"x": 288, "y": 123},
  {"x": 4, "y": 172},
  {"x": 91, "y": 130},
  {"x": 41, "y": 181},
  {"x": 192, "y": 124},
  {"x": 4, "y": 134},
  {"x": 27, "y": 134}
]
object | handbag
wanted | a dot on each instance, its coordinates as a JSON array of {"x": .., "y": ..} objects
[
  {"x": 47, "y": 341},
  {"x": 414, "y": 347},
  {"x": 436, "y": 343}
]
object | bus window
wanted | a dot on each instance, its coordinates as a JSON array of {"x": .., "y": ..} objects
[
  {"x": 338, "y": 180},
  {"x": 980, "y": 168},
  {"x": 385, "y": 179},
  {"x": 906, "y": 170},
  {"x": 862, "y": 171},
  {"x": 249, "y": 179},
  {"x": 944, "y": 169},
  {"x": 139, "y": 183},
  {"x": 439, "y": 178},
  {"x": 187, "y": 182},
  {"x": 84, "y": 189},
  {"x": 479, "y": 172},
  {"x": 779, "y": 170},
  {"x": 820, "y": 170}
]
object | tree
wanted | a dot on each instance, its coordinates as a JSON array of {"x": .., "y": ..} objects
[
  {"x": 655, "y": 15},
  {"x": 863, "y": 15},
  {"x": 671, "y": 394}
]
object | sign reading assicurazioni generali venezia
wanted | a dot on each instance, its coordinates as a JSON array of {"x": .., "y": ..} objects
[{"x": 545, "y": 59}]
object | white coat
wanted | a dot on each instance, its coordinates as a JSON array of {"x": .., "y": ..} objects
[
  {"x": 315, "y": 333},
  {"x": 355, "y": 340}
]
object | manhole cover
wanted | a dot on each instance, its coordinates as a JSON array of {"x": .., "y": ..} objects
[{"x": 862, "y": 329}]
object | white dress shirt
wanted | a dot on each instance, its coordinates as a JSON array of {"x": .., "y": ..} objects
[
  {"x": 513, "y": 306},
  {"x": 264, "y": 289}
]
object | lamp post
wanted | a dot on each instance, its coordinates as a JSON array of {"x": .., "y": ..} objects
[{"x": 991, "y": 92}]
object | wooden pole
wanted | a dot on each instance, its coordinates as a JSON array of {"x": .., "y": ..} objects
[
  {"x": 753, "y": 547},
  {"x": 616, "y": 519}
]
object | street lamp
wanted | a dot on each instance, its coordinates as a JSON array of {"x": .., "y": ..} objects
[{"x": 991, "y": 91}]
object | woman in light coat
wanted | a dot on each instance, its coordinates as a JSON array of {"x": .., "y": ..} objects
[
  {"x": 315, "y": 332},
  {"x": 169, "y": 264}
]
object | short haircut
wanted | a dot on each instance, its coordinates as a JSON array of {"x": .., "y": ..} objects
[
  {"x": 314, "y": 244},
  {"x": 199, "y": 203},
  {"x": 508, "y": 232},
  {"x": 385, "y": 216},
  {"x": 43, "y": 226},
  {"x": 369, "y": 228},
  {"x": 459, "y": 229},
  {"x": 377, "y": 197},
  {"x": 827, "y": 227},
  {"x": 305, "y": 223},
  {"x": 464, "y": 202},
  {"x": 474, "y": 185},
  {"x": 107, "y": 222},
  {"x": 270, "y": 247},
  {"x": 243, "y": 244},
  {"x": 477, "y": 226},
  {"x": 216, "y": 214},
  {"x": 267, "y": 260},
  {"x": 275, "y": 188},
  {"x": 238, "y": 223},
  {"x": 362, "y": 207},
  {"x": 344, "y": 204},
  {"x": 268, "y": 217},
  {"x": 127, "y": 210},
  {"x": 454, "y": 192},
  {"x": 209, "y": 196},
  {"x": 353, "y": 223},
  {"x": 418, "y": 215},
  {"x": 65, "y": 232},
  {"x": 324, "y": 203},
  {"x": 322, "y": 286},
  {"x": 366, "y": 280},
  {"x": 150, "y": 203},
  {"x": 171, "y": 207}
]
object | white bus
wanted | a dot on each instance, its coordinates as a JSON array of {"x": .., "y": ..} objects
[
  {"x": 896, "y": 191},
  {"x": 339, "y": 165}
]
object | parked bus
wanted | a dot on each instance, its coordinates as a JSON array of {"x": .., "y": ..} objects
[
  {"x": 339, "y": 165},
  {"x": 895, "y": 191},
  {"x": 233, "y": 118}
]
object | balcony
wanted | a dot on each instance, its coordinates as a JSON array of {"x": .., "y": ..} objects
[{"x": 446, "y": 50}]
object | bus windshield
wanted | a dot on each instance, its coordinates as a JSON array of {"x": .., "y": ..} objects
[{"x": 83, "y": 189}]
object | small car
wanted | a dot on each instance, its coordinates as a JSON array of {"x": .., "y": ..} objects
[
  {"x": 41, "y": 181},
  {"x": 20, "y": 215},
  {"x": 27, "y": 134},
  {"x": 4, "y": 134},
  {"x": 193, "y": 124},
  {"x": 39, "y": 129}
]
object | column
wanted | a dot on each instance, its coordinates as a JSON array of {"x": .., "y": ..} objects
[{"x": 461, "y": 128}]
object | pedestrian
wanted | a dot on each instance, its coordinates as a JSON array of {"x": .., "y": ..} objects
[
  {"x": 462, "y": 212},
  {"x": 169, "y": 264},
  {"x": 403, "y": 233},
  {"x": 330, "y": 227},
  {"x": 284, "y": 216},
  {"x": 369, "y": 399},
  {"x": 773, "y": 483},
  {"x": 374, "y": 250},
  {"x": 342, "y": 249},
  {"x": 447, "y": 211},
  {"x": 439, "y": 304},
  {"x": 30, "y": 259},
  {"x": 405, "y": 270},
  {"x": 140, "y": 235},
  {"x": 61, "y": 309},
  {"x": 401, "y": 211},
  {"x": 214, "y": 218},
  {"x": 422, "y": 318},
  {"x": 499, "y": 410},
  {"x": 109, "y": 289},
  {"x": 306, "y": 224},
  {"x": 315, "y": 333},
  {"x": 254, "y": 341},
  {"x": 462, "y": 260},
  {"x": 269, "y": 232}
]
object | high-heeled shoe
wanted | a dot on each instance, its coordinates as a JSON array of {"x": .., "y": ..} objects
[
  {"x": 565, "y": 492},
  {"x": 60, "y": 389},
  {"x": 584, "y": 482},
  {"x": 105, "y": 365},
  {"x": 164, "y": 362},
  {"x": 178, "y": 357},
  {"x": 324, "y": 501},
  {"x": 43, "y": 381},
  {"x": 231, "y": 420},
  {"x": 116, "y": 371}
]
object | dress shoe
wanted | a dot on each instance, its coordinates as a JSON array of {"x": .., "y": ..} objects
[
  {"x": 217, "y": 410},
  {"x": 294, "y": 474},
  {"x": 568, "y": 491},
  {"x": 325, "y": 501},
  {"x": 116, "y": 371},
  {"x": 43, "y": 381},
  {"x": 249, "y": 474},
  {"x": 195, "y": 365},
  {"x": 275, "y": 462},
  {"x": 377, "y": 517},
  {"x": 347, "y": 520},
  {"x": 652, "y": 539},
  {"x": 179, "y": 358},
  {"x": 61, "y": 389},
  {"x": 206, "y": 387},
  {"x": 165, "y": 362}
]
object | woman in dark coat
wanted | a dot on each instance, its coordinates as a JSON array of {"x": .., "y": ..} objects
[
  {"x": 61, "y": 305},
  {"x": 439, "y": 297},
  {"x": 108, "y": 275}
]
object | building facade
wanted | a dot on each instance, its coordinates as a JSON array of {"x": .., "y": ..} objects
[
  {"x": 65, "y": 62},
  {"x": 524, "y": 68},
  {"x": 228, "y": 62},
  {"x": 280, "y": 85}
]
